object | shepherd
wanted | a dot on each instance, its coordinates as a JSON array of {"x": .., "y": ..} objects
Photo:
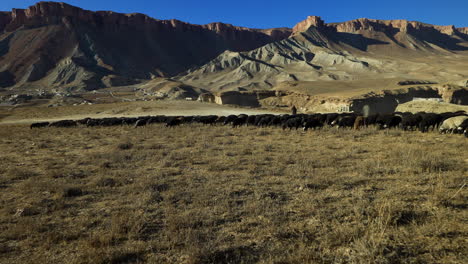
[{"x": 294, "y": 110}]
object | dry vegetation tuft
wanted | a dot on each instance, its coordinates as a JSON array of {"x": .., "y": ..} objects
[{"x": 207, "y": 194}]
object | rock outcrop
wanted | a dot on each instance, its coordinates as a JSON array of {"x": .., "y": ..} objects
[
  {"x": 403, "y": 33},
  {"x": 463, "y": 30},
  {"x": 399, "y": 25},
  {"x": 311, "y": 21},
  {"x": 5, "y": 19}
]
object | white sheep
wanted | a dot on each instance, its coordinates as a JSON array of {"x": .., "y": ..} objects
[{"x": 450, "y": 125}]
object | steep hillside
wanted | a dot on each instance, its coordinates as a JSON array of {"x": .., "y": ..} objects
[{"x": 55, "y": 44}]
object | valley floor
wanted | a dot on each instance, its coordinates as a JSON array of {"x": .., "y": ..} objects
[{"x": 213, "y": 194}]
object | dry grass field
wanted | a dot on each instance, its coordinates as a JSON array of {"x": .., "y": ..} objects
[{"x": 213, "y": 194}]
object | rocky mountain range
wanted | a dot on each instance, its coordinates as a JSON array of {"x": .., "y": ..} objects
[
  {"x": 357, "y": 49},
  {"x": 63, "y": 45},
  {"x": 56, "y": 45}
]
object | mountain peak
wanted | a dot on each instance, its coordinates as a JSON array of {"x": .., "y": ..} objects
[{"x": 311, "y": 21}]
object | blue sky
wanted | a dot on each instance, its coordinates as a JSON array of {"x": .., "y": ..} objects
[{"x": 273, "y": 13}]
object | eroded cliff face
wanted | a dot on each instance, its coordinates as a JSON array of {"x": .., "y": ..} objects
[
  {"x": 454, "y": 95},
  {"x": 388, "y": 101},
  {"x": 47, "y": 13},
  {"x": 5, "y": 18},
  {"x": 403, "y": 33},
  {"x": 463, "y": 30},
  {"x": 382, "y": 102},
  {"x": 366, "y": 24},
  {"x": 310, "y": 21},
  {"x": 390, "y": 26}
]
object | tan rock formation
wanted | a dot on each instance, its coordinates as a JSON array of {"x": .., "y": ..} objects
[
  {"x": 389, "y": 26},
  {"x": 311, "y": 21}
]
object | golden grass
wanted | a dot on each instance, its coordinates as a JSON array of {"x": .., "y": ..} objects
[{"x": 202, "y": 194}]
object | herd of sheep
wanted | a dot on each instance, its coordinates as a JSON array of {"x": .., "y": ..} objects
[{"x": 450, "y": 122}]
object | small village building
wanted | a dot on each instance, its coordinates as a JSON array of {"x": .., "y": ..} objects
[
  {"x": 206, "y": 98},
  {"x": 243, "y": 98}
]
